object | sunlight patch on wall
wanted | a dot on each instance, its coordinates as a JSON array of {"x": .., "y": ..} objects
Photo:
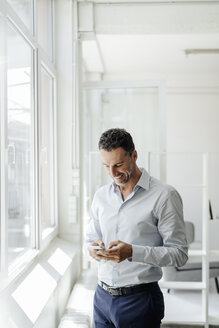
[
  {"x": 59, "y": 261},
  {"x": 33, "y": 293}
]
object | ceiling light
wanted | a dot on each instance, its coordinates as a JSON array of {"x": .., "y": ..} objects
[{"x": 201, "y": 51}]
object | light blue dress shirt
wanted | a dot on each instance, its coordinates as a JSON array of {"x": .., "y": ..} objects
[{"x": 150, "y": 219}]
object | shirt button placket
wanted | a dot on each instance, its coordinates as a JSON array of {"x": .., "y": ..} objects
[
  {"x": 115, "y": 268},
  {"x": 117, "y": 221}
]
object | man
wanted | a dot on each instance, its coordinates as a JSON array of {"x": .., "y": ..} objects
[{"x": 139, "y": 222}]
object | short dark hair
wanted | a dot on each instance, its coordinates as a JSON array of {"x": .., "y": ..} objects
[{"x": 115, "y": 138}]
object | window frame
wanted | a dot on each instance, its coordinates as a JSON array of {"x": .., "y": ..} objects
[
  {"x": 51, "y": 54},
  {"x": 38, "y": 244},
  {"x": 43, "y": 63},
  {"x": 3, "y": 148},
  {"x": 17, "y": 262}
]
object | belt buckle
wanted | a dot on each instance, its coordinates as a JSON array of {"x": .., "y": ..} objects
[{"x": 115, "y": 292}]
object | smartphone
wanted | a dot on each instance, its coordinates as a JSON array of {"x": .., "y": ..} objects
[{"x": 96, "y": 247}]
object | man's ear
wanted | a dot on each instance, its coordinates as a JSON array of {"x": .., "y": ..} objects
[{"x": 134, "y": 155}]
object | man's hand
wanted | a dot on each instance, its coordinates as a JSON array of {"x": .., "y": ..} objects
[
  {"x": 118, "y": 251},
  {"x": 92, "y": 252}
]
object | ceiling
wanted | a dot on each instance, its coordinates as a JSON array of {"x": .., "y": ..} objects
[
  {"x": 153, "y": 38},
  {"x": 152, "y": 54}
]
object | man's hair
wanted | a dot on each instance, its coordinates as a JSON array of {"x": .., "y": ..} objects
[{"x": 115, "y": 138}]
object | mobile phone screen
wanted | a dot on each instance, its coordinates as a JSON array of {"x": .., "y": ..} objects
[{"x": 96, "y": 247}]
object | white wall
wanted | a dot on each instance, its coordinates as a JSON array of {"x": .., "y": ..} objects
[
  {"x": 192, "y": 120},
  {"x": 192, "y": 126}
]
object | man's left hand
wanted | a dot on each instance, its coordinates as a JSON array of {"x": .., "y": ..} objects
[{"x": 118, "y": 251}]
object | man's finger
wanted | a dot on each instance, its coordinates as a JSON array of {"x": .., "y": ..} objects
[
  {"x": 108, "y": 258},
  {"x": 113, "y": 250},
  {"x": 108, "y": 253},
  {"x": 98, "y": 242},
  {"x": 113, "y": 243}
]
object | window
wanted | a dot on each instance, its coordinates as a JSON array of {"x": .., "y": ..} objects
[
  {"x": 20, "y": 140},
  {"x": 27, "y": 162},
  {"x": 24, "y": 9},
  {"x": 2, "y": 146},
  {"x": 46, "y": 152}
]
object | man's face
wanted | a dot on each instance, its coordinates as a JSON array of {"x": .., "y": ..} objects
[{"x": 118, "y": 164}]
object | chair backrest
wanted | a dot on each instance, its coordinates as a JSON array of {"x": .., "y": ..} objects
[{"x": 190, "y": 231}]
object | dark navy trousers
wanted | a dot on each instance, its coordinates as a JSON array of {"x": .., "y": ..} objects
[{"x": 144, "y": 309}]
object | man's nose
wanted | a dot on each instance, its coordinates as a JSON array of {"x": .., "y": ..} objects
[{"x": 113, "y": 171}]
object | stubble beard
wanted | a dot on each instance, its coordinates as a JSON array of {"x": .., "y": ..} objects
[{"x": 128, "y": 175}]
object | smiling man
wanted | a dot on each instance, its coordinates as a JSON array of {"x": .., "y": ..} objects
[{"x": 137, "y": 222}]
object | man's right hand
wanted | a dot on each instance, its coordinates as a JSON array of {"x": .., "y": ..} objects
[{"x": 93, "y": 252}]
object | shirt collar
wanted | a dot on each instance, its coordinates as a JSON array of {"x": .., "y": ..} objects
[{"x": 143, "y": 182}]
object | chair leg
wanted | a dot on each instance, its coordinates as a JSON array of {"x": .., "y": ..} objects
[{"x": 217, "y": 284}]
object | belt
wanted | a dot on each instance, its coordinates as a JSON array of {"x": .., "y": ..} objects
[{"x": 121, "y": 291}]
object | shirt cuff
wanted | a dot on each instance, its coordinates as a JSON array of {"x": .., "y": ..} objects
[{"x": 138, "y": 253}]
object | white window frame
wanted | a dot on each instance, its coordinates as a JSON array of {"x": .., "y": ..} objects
[
  {"x": 39, "y": 57},
  {"x": 15, "y": 265},
  {"x": 51, "y": 55},
  {"x": 3, "y": 156},
  {"x": 50, "y": 233}
]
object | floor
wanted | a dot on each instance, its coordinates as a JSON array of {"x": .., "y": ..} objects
[
  {"x": 189, "y": 308},
  {"x": 180, "y": 326},
  {"x": 187, "y": 326}
]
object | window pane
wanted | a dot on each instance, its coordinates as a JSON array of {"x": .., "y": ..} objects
[
  {"x": 20, "y": 125},
  {"x": 24, "y": 9},
  {"x": 44, "y": 25},
  {"x": 46, "y": 151},
  {"x": 2, "y": 154}
]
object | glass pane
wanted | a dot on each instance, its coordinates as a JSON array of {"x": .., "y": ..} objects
[
  {"x": 20, "y": 126},
  {"x": 2, "y": 94},
  {"x": 46, "y": 151},
  {"x": 44, "y": 25},
  {"x": 112, "y": 108},
  {"x": 24, "y": 9}
]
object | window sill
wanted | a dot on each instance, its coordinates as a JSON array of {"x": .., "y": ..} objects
[
  {"x": 19, "y": 268},
  {"x": 49, "y": 274}
]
